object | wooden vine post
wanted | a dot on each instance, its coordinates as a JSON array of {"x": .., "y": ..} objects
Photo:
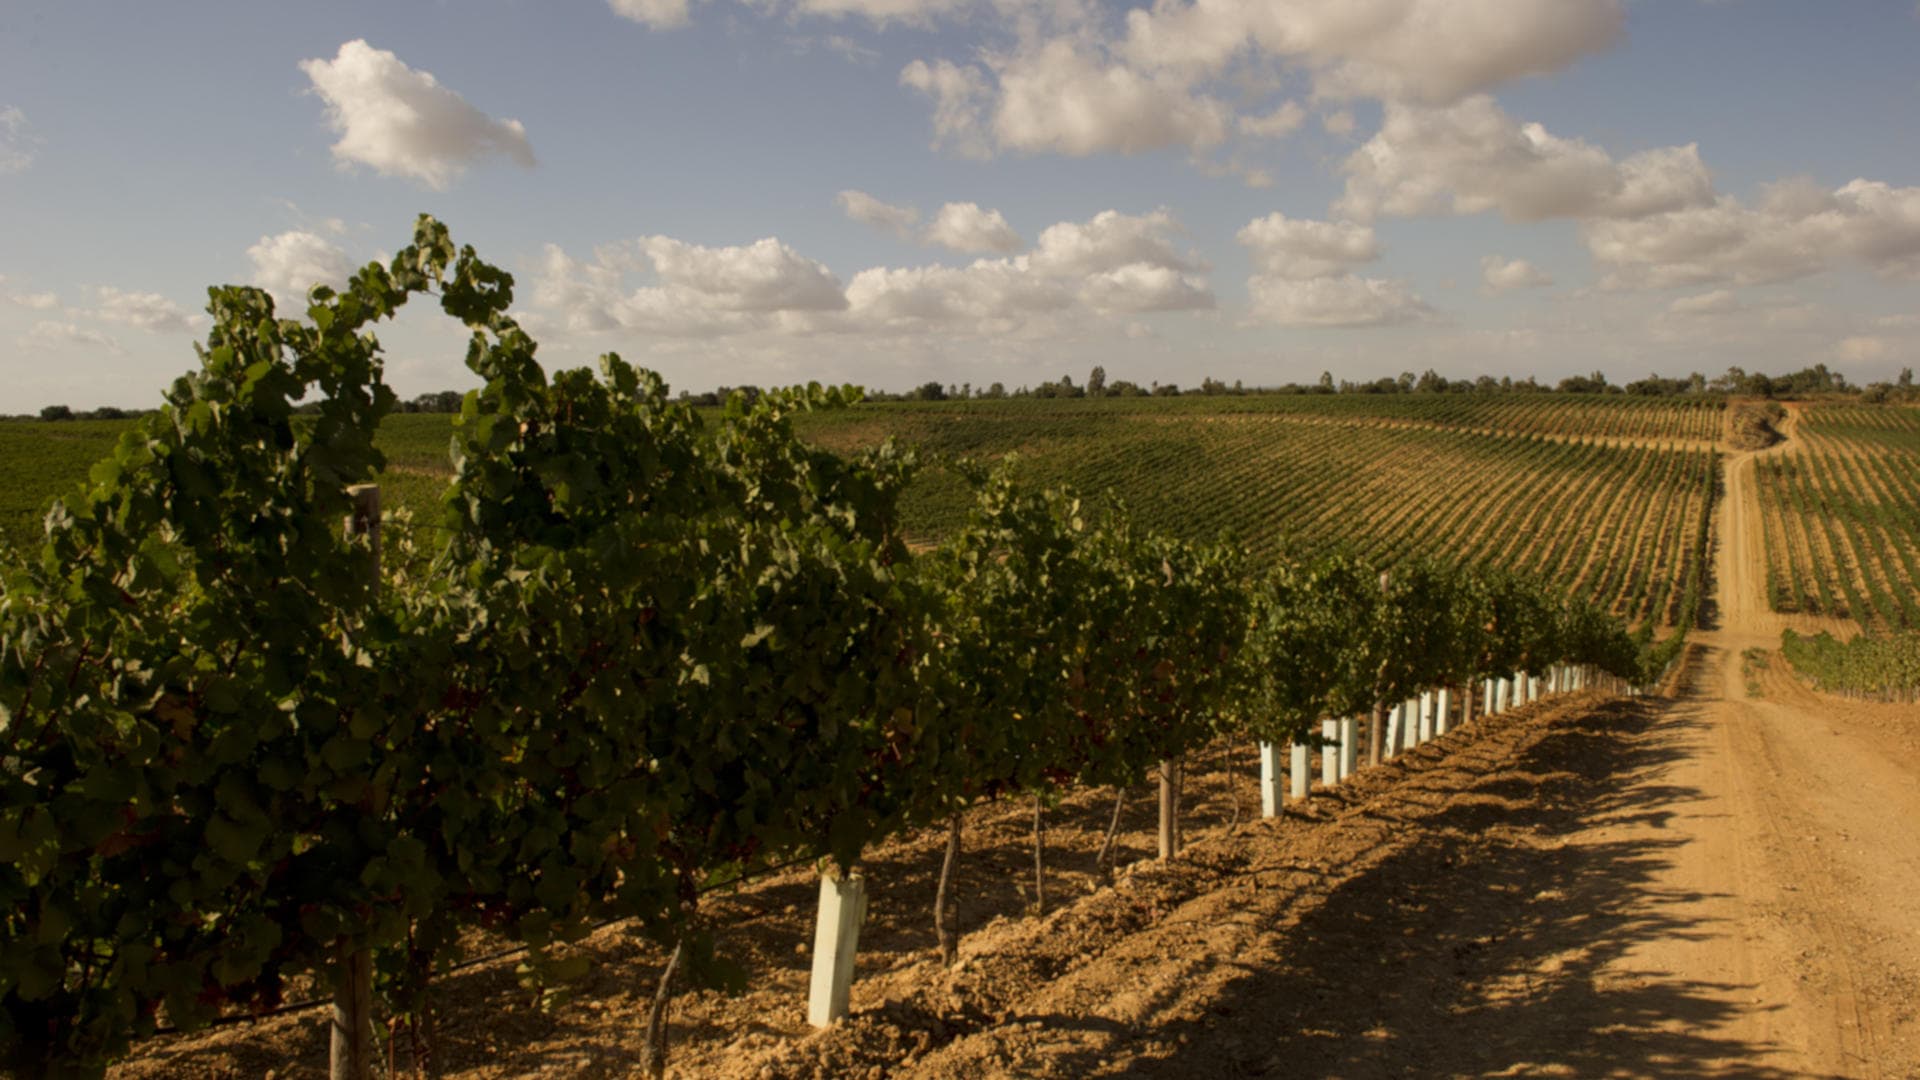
[
  {"x": 1169, "y": 809},
  {"x": 350, "y": 1054}
]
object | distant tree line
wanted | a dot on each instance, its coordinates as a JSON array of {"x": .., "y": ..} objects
[
  {"x": 1818, "y": 379},
  {"x": 104, "y": 412}
]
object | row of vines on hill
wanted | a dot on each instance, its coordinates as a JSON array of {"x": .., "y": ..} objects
[
  {"x": 1616, "y": 524},
  {"x": 1883, "y": 668},
  {"x": 1842, "y": 517},
  {"x": 1689, "y": 419},
  {"x": 649, "y": 651}
]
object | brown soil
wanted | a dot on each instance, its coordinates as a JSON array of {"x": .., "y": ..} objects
[{"x": 1701, "y": 885}]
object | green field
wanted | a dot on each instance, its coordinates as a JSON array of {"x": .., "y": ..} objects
[
  {"x": 1606, "y": 495},
  {"x": 40, "y": 459}
]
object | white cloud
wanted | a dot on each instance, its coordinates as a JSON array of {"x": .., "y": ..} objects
[
  {"x": 1717, "y": 302},
  {"x": 864, "y": 208},
  {"x": 1344, "y": 300},
  {"x": 148, "y": 311},
  {"x": 965, "y": 227},
  {"x": 1436, "y": 51},
  {"x": 1499, "y": 274},
  {"x": 992, "y": 296},
  {"x": 1279, "y": 123},
  {"x": 1139, "y": 287},
  {"x": 960, "y": 95},
  {"x": 1303, "y": 275},
  {"x": 1110, "y": 240},
  {"x": 1796, "y": 229},
  {"x": 49, "y": 333},
  {"x": 39, "y": 301},
  {"x": 653, "y": 14},
  {"x": 1111, "y": 263},
  {"x": 765, "y": 275},
  {"x": 883, "y": 12},
  {"x": 402, "y": 122},
  {"x": 1860, "y": 348},
  {"x": 1060, "y": 99},
  {"x": 1298, "y": 250},
  {"x": 290, "y": 263},
  {"x": 698, "y": 291},
  {"x": 1471, "y": 157},
  {"x": 1339, "y": 123},
  {"x": 17, "y": 140}
]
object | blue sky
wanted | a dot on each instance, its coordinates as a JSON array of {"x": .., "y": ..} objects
[{"x": 890, "y": 191}]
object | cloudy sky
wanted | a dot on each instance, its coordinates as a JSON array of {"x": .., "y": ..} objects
[{"x": 890, "y": 191}]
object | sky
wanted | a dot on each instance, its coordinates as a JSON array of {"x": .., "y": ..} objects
[{"x": 888, "y": 192}]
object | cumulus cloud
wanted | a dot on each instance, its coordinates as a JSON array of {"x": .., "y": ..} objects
[
  {"x": 1436, "y": 51},
  {"x": 1717, "y": 302},
  {"x": 1279, "y": 123},
  {"x": 965, "y": 227},
  {"x": 1796, "y": 229},
  {"x": 653, "y": 14},
  {"x": 1499, "y": 274},
  {"x": 991, "y": 296},
  {"x": 1111, "y": 263},
  {"x": 1862, "y": 348},
  {"x": 1062, "y": 99},
  {"x": 1068, "y": 86},
  {"x": 402, "y": 122},
  {"x": 960, "y": 96},
  {"x": 17, "y": 140},
  {"x": 1472, "y": 157},
  {"x": 1064, "y": 96},
  {"x": 49, "y": 333},
  {"x": 290, "y": 263},
  {"x": 1110, "y": 240},
  {"x": 765, "y": 275},
  {"x": 145, "y": 310},
  {"x": 864, "y": 208},
  {"x": 38, "y": 301},
  {"x": 697, "y": 291},
  {"x": 1138, "y": 287},
  {"x": 1297, "y": 249},
  {"x": 1346, "y": 300},
  {"x": 884, "y": 12},
  {"x": 1303, "y": 275}
]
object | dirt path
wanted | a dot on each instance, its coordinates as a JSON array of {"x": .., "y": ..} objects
[{"x": 1741, "y": 612}]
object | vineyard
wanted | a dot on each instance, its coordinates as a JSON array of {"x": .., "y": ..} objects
[
  {"x": 1609, "y": 497},
  {"x": 1883, "y": 668},
  {"x": 39, "y": 460},
  {"x": 1517, "y": 482},
  {"x": 247, "y": 754},
  {"x": 1842, "y": 515}
]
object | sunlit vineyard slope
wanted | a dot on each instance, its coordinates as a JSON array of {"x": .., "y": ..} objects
[
  {"x": 1606, "y": 496},
  {"x": 1842, "y": 513}
]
